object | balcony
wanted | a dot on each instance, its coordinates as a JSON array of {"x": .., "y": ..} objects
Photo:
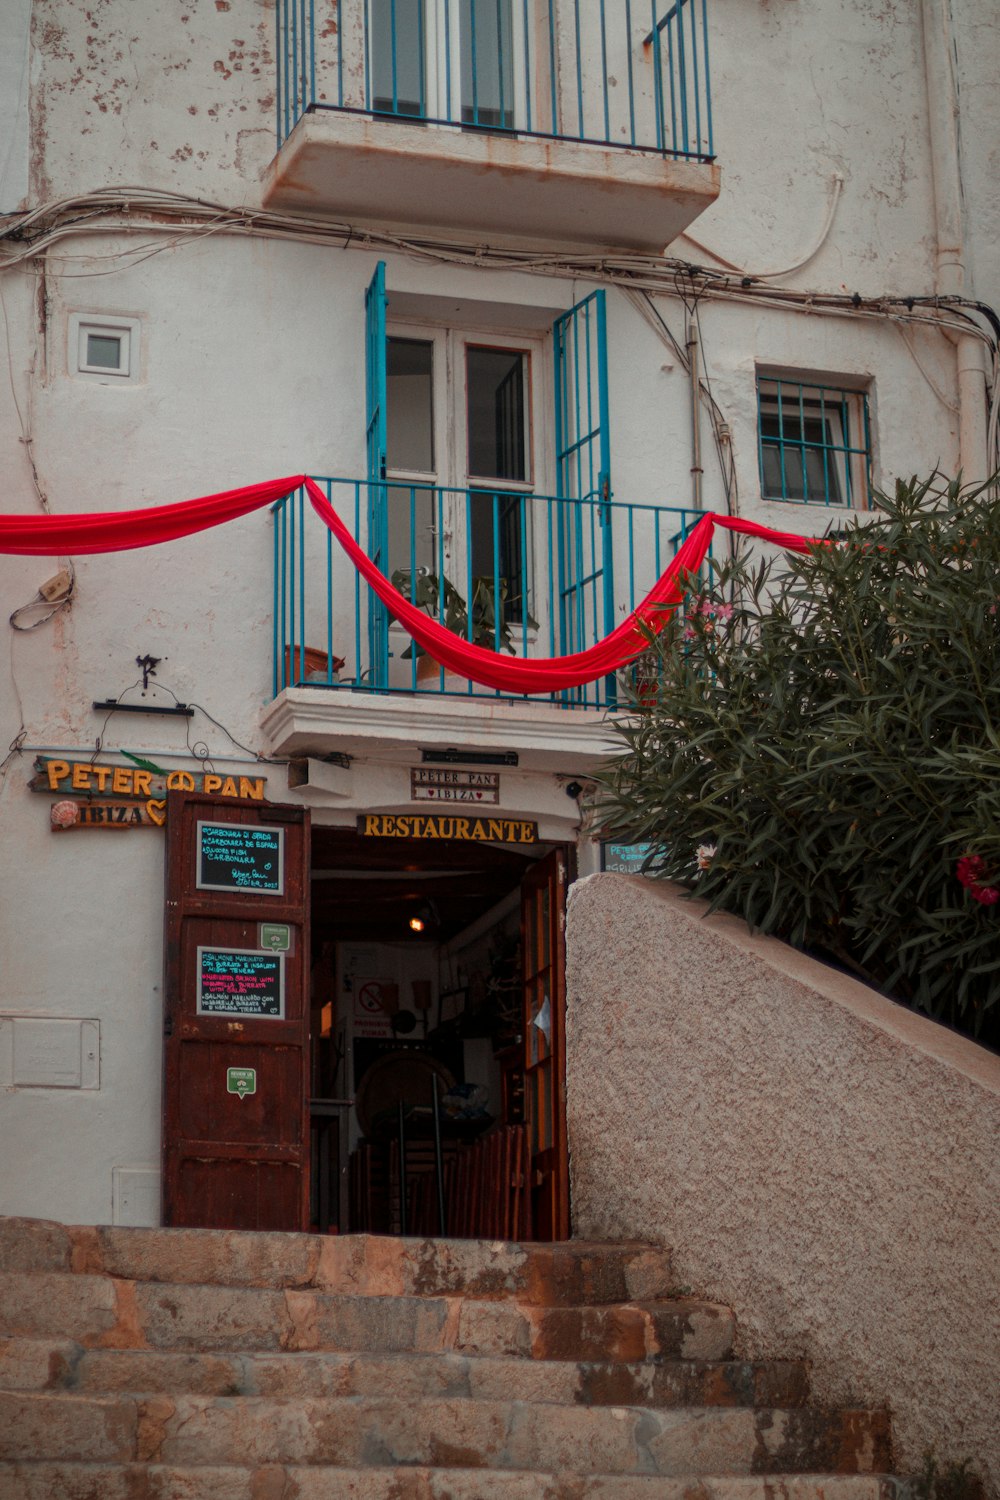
[
  {"x": 545, "y": 577},
  {"x": 556, "y": 123}
]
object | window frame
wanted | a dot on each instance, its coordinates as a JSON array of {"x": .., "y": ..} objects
[
  {"x": 450, "y": 400},
  {"x": 450, "y": 440},
  {"x": 840, "y": 407},
  {"x": 86, "y": 325},
  {"x": 441, "y": 84}
]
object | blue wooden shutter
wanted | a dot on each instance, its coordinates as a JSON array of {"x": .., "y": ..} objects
[
  {"x": 376, "y": 443},
  {"x": 584, "y": 608}
]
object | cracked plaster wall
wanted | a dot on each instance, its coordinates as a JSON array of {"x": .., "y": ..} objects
[{"x": 819, "y": 1158}]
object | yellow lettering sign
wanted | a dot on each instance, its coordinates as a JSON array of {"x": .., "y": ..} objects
[
  {"x": 56, "y": 769},
  {"x": 476, "y": 830}
]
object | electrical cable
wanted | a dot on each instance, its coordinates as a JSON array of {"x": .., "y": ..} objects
[
  {"x": 52, "y": 606},
  {"x": 118, "y": 210},
  {"x": 831, "y": 210}
]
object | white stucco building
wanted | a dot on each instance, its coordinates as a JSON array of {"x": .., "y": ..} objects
[{"x": 526, "y": 285}]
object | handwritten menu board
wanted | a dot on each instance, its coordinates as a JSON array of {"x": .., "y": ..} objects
[
  {"x": 240, "y": 982},
  {"x": 241, "y": 857},
  {"x": 624, "y": 859}
]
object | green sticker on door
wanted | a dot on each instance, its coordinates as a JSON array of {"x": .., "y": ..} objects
[{"x": 241, "y": 1081}]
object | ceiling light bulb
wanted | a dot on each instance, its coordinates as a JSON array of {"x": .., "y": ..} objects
[{"x": 416, "y": 924}]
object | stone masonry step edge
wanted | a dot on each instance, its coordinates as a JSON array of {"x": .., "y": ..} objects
[
  {"x": 98, "y": 1311},
  {"x": 27, "y": 1364},
  {"x": 444, "y": 1433},
  {"x": 67, "y": 1481},
  {"x": 573, "y": 1272}
]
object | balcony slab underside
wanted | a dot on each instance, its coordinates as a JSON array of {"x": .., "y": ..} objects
[
  {"x": 507, "y": 189},
  {"x": 316, "y": 721}
]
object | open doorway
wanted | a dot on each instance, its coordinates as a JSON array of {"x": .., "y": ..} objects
[{"x": 437, "y": 1053}]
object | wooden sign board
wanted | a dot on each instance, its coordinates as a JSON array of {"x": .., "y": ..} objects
[
  {"x": 240, "y": 982},
  {"x": 240, "y": 857},
  {"x": 93, "y": 779},
  {"x": 73, "y": 813},
  {"x": 436, "y": 784},
  {"x": 447, "y": 826}
]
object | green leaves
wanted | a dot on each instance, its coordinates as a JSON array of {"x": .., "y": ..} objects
[{"x": 836, "y": 736}]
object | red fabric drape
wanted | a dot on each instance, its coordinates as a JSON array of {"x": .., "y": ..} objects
[{"x": 115, "y": 531}]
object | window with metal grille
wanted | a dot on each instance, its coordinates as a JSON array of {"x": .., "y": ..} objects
[{"x": 814, "y": 443}]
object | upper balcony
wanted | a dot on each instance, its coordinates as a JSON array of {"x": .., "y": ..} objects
[
  {"x": 520, "y": 573},
  {"x": 549, "y": 123}
]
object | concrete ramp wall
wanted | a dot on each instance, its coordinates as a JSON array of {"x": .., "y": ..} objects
[{"x": 825, "y": 1161}]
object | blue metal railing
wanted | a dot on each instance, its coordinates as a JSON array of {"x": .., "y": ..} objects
[
  {"x": 521, "y": 573},
  {"x": 630, "y": 73}
]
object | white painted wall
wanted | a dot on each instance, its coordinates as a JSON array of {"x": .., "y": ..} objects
[
  {"x": 15, "y": 59},
  {"x": 252, "y": 366}
]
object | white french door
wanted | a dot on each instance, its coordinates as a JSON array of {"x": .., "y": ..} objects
[{"x": 461, "y": 62}]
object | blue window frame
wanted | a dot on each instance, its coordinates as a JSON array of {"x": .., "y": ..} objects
[{"x": 814, "y": 443}]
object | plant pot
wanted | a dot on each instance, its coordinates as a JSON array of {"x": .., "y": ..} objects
[
  {"x": 429, "y": 673},
  {"x": 309, "y": 664}
]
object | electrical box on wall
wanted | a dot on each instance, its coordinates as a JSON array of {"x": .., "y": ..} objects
[
  {"x": 135, "y": 1196},
  {"x": 45, "y": 1052}
]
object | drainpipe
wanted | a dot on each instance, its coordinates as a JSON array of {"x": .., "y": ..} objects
[
  {"x": 695, "y": 377},
  {"x": 951, "y": 278}
]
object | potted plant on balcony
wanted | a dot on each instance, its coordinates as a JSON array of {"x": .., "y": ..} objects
[{"x": 438, "y": 597}]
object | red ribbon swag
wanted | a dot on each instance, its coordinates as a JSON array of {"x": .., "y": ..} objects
[{"x": 118, "y": 531}]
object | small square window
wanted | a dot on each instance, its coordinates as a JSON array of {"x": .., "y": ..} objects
[
  {"x": 106, "y": 351},
  {"x": 103, "y": 351},
  {"x": 814, "y": 443},
  {"x": 104, "y": 348}
]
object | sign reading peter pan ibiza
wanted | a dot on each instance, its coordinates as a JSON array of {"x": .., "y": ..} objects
[{"x": 96, "y": 795}]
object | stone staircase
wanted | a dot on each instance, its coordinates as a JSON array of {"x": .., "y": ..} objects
[{"x": 140, "y": 1364}]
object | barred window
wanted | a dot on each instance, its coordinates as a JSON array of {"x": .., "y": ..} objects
[{"x": 814, "y": 443}]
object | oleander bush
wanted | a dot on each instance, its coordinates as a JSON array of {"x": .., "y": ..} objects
[{"x": 815, "y": 745}]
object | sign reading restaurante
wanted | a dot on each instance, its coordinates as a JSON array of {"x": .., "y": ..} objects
[{"x": 447, "y": 826}]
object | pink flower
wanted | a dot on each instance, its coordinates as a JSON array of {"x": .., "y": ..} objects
[{"x": 970, "y": 870}]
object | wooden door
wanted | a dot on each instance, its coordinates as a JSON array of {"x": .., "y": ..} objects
[
  {"x": 236, "y": 1048},
  {"x": 543, "y": 902}
]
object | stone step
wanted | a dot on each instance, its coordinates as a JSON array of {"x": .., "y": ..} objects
[
  {"x": 446, "y": 1433},
  {"x": 573, "y": 1273},
  {"x": 46, "y": 1365},
  {"x": 69, "y": 1481},
  {"x": 101, "y": 1312}
]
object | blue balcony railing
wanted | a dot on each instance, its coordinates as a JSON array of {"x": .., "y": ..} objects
[
  {"x": 545, "y": 577},
  {"x": 630, "y": 73}
]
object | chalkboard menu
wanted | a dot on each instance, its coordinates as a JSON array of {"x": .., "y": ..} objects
[
  {"x": 240, "y": 982},
  {"x": 624, "y": 859},
  {"x": 241, "y": 857}
]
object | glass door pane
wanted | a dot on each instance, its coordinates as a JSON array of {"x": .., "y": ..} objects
[
  {"x": 411, "y": 508},
  {"x": 496, "y": 411},
  {"x": 487, "y": 63},
  {"x": 398, "y": 48}
]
